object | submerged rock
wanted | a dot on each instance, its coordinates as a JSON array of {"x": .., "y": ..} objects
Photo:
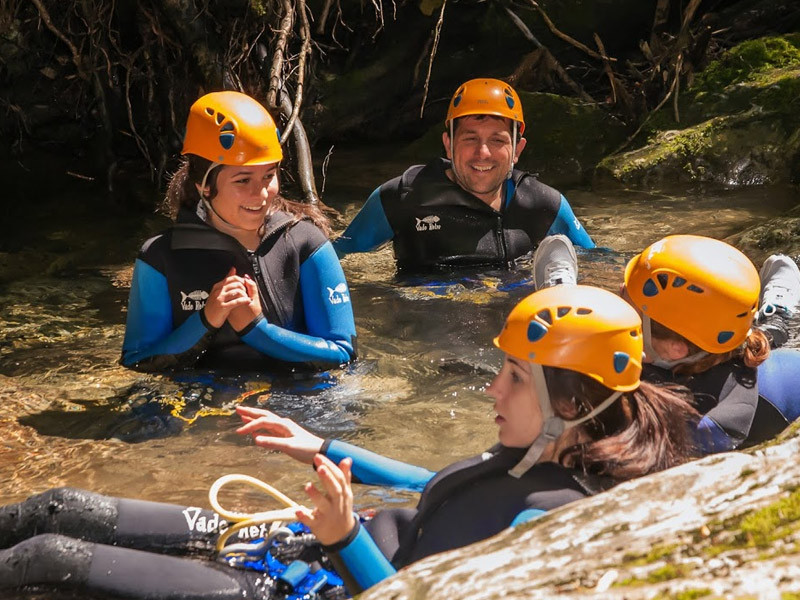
[
  {"x": 724, "y": 526},
  {"x": 740, "y": 124}
]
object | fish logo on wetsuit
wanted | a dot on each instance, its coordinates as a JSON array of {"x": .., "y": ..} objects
[
  {"x": 339, "y": 294},
  {"x": 429, "y": 223},
  {"x": 195, "y": 300}
]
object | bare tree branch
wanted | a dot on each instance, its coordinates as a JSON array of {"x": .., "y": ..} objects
[{"x": 433, "y": 54}]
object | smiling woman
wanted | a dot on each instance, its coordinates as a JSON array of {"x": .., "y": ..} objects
[{"x": 244, "y": 278}]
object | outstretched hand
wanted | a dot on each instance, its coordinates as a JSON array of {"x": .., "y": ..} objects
[
  {"x": 331, "y": 519},
  {"x": 278, "y": 433}
]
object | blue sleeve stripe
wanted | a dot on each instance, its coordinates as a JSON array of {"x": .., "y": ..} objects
[
  {"x": 527, "y": 515},
  {"x": 148, "y": 331},
  {"x": 374, "y": 469},
  {"x": 711, "y": 437},
  {"x": 328, "y": 312},
  {"x": 365, "y": 561},
  {"x": 779, "y": 381},
  {"x": 369, "y": 229},
  {"x": 568, "y": 224}
]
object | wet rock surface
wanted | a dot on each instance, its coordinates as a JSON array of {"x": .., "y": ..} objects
[{"x": 722, "y": 527}]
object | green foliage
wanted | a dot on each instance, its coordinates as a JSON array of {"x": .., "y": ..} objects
[
  {"x": 772, "y": 522},
  {"x": 749, "y": 60}
]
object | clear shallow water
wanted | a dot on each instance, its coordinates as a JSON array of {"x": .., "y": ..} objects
[{"x": 416, "y": 393}]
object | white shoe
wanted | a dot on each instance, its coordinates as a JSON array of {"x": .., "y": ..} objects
[
  {"x": 780, "y": 286},
  {"x": 555, "y": 262}
]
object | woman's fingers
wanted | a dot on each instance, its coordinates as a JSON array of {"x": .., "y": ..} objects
[{"x": 254, "y": 412}]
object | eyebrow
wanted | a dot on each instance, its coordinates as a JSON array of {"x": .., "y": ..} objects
[{"x": 515, "y": 361}]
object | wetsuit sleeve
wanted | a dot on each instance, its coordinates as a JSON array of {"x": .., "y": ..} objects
[
  {"x": 527, "y": 515},
  {"x": 568, "y": 224},
  {"x": 726, "y": 426},
  {"x": 150, "y": 341},
  {"x": 358, "y": 561},
  {"x": 373, "y": 469},
  {"x": 368, "y": 230},
  {"x": 329, "y": 317}
]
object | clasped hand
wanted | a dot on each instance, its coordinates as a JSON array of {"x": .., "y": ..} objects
[
  {"x": 234, "y": 299},
  {"x": 332, "y": 518}
]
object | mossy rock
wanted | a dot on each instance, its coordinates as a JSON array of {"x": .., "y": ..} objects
[{"x": 740, "y": 124}]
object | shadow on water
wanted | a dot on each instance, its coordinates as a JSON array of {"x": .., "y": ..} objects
[{"x": 72, "y": 416}]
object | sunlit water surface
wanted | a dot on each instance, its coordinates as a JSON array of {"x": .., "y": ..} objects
[{"x": 69, "y": 415}]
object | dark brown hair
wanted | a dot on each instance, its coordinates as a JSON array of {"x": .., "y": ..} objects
[
  {"x": 643, "y": 431},
  {"x": 753, "y": 351},
  {"x": 182, "y": 193}
]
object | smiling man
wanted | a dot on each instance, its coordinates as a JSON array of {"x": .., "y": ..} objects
[{"x": 472, "y": 208}]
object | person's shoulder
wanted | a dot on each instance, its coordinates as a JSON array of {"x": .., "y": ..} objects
[
  {"x": 305, "y": 236},
  {"x": 529, "y": 192},
  {"x": 157, "y": 244}
]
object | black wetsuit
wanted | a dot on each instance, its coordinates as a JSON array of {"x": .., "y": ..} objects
[{"x": 122, "y": 545}]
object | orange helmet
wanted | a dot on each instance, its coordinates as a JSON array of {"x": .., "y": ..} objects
[
  {"x": 581, "y": 328},
  {"x": 701, "y": 288},
  {"x": 486, "y": 97},
  {"x": 231, "y": 128}
]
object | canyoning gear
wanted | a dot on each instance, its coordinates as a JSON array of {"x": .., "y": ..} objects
[
  {"x": 433, "y": 222},
  {"x": 580, "y": 328},
  {"x": 701, "y": 288},
  {"x": 231, "y": 128},
  {"x": 780, "y": 286},
  {"x": 741, "y": 406},
  {"x": 555, "y": 262},
  {"x": 307, "y": 315},
  {"x": 486, "y": 97}
]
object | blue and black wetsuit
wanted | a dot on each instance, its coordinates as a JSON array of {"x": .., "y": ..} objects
[
  {"x": 433, "y": 222},
  {"x": 463, "y": 503},
  {"x": 307, "y": 313},
  {"x": 77, "y": 541},
  {"x": 741, "y": 406}
]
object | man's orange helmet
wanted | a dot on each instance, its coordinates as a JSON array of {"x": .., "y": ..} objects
[
  {"x": 231, "y": 128},
  {"x": 701, "y": 288},
  {"x": 581, "y": 328},
  {"x": 486, "y": 97}
]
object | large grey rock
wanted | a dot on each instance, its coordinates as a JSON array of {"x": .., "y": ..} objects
[{"x": 725, "y": 526}]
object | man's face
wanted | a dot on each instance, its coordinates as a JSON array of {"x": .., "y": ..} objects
[{"x": 482, "y": 153}]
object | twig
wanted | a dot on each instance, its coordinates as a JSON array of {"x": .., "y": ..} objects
[
  {"x": 277, "y": 58},
  {"x": 305, "y": 35},
  {"x": 556, "y": 32},
  {"x": 618, "y": 91},
  {"x": 325, "y": 162},
  {"x": 433, "y": 54},
  {"x": 76, "y": 57},
  {"x": 323, "y": 18}
]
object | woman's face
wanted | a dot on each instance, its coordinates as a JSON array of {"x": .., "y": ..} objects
[
  {"x": 519, "y": 416},
  {"x": 244, "y": 194}
]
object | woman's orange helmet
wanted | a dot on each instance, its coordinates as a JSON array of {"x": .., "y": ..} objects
[
  {"x": 486, "y": 97},
  {"x": 231, "y": 128},
  {"x": 701, "y": 288},
  {"x": 581, "y": 328}
]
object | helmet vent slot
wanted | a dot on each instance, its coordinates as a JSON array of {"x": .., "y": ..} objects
[
  {"x": 584, "y": 311},
  {"x": 209, "y": 111},
  {"x": 227, "y": 127},
  {"x": 740, "y": 315},
  {"x": 545, "y": 316},
  {"x": 693, "y": 288},
  {"x": 226, "y": 140},
  {"x": 663, "y": 280},
  {"x": 621, "y": 360},
  {"x": 562, "y": 311},
  {"x": 724, "y": 336},
  {"x": 678, "y": 282},
  {"x": 649, "y": 288},
  {"x": 220, "y": 118},
  {"x": 634, "y": 333},
  {"x": 536, "y": 331}
]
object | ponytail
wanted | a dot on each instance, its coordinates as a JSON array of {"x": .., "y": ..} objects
[
  {"x": 644, "y": 431},
  {"x": 182, "y": 193}
]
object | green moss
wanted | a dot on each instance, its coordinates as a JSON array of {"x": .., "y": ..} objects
[
  {"x": 749, "y": 60},
  {"x": 772, "y": 522},
  {"x": 688, "y": 594},
  {"x": 656, "y": 553},
  {"x": 746, "y": 472},
  {"x": 666, "y": 573}
]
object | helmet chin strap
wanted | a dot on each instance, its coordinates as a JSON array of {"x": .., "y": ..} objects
[
  {"x": 655, "y": 357},
  {"x": 513, "y": 148},
  {"x": 553, "y": 425}
]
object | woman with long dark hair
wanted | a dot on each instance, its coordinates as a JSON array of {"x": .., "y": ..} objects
[{"x": 244, "y": 279}]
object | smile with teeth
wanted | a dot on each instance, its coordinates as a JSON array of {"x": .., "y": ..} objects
[
  {"x": 254, "y": 208},
  {"x": 482, "y": 168}
]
